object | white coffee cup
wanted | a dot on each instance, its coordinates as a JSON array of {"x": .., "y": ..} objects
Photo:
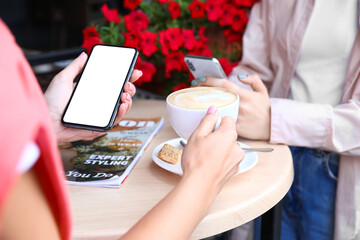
[{"x": 187, "y": 107}]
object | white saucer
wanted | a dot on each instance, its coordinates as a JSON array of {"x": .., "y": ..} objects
[{"x": 250, "y": 160}]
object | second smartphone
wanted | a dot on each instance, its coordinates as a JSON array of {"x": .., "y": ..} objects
[
  {"x": 201, "y": 66},
  {"x": 96, "y": 98}
]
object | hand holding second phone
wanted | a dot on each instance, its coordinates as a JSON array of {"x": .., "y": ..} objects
[
  {"x": 254, "y": 117},
  {"x": 214, "y": 156}
]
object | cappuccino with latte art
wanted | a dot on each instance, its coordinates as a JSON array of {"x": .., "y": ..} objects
[
  {"x": 188, "y": 106},
  {"x": 202, "y": 98}
]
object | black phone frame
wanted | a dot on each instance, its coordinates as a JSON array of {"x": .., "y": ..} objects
[{"x": 109, "y": 126}]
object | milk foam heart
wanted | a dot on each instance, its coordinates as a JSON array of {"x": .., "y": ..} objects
[
  {"x": 187, "y": 107},
  {"x": 202, "y": 98}
]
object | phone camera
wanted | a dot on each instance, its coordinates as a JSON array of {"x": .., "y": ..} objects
[{"x": 191, "y": 66}]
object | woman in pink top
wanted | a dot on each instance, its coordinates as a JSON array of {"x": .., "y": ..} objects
[
  {"x": 305, "y": 55},
  {"x": 34, "y": 203}
]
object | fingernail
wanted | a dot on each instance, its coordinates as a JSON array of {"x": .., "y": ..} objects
[
  {"x": 211, "y": 109},
  {"x": 131, "y": 86},
  {"x": 128, "y": 97},
  {"x": 242, "y": 76},
  {"x": 141, "y": 73},
  {"x": 82, "y": 53},
  {"x": 194, "y": 82},
  {"x": 202, "y": 79}
]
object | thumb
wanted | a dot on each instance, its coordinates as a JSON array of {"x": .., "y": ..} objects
[
  {"x": 74, "y": 68},
  {"x": 208, "y": 123}
]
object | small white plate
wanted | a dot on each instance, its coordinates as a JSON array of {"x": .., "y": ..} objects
[{"x": 250, "y": 160}]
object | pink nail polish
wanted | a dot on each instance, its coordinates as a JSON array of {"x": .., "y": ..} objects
[
  {"x": 211, "y": 109},
  {"x": 128, "y": 97}
]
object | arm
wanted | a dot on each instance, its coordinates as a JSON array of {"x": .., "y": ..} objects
[
  {"x": 208, "y": 161},
  {"x": 25, "y": 202},
  {"x": 294, "y": 123},
  {"x": 317, "y": 125},
  {"x": 176, "y": 216}
]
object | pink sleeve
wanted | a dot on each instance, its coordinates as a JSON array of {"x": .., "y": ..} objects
[
  {"x": 25, "y": 118},
  {"x": 317, "y": 125},
  {"x": 255, "y": 58}
]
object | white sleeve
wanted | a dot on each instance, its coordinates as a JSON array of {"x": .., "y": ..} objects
[{"x": 28, "y": 157}]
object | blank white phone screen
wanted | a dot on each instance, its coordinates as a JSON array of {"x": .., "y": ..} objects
[{"x": 95, "y": 97}]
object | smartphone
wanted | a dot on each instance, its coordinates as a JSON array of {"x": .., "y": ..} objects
[
  {"x": 201, "y": 66},
  {"x": 95, "y": 100}
]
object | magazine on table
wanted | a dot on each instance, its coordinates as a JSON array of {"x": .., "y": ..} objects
[{"x": 108, "y": 160}]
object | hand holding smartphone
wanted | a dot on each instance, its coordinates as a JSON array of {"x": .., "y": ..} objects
[
  {"x": 95, "y": 100},
  {"x": 201, "y": 66}
]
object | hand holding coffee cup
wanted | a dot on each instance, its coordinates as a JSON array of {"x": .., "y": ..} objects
[{"x": 187, "y": 107}]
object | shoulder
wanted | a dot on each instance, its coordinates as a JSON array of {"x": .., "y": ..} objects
[
  {"x": 5, "y": 33},
  {"x": 283, "y": 7}
]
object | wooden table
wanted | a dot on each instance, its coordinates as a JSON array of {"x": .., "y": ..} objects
[{"x": 103, "y": 213}]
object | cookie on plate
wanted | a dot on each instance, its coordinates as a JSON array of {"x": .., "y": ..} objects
[{"x": 170, "y": 154}]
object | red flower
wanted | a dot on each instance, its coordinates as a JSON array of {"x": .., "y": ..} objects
[
  {"x": 197, "y": 9},
  {"x": 90, "y": 42},
  {"x": 90, "y": 38},
  {"x": 202, "y": 35},
  {"x": 163, "y": 43},
  {"x": 232, "y": 36},
  {"x": 175, "y": 38},
  {"x": 227, "y": 16},
  {"x": 174, "y": 9},
  {"x": 180, "y": 86},
  {"x": 171, "y": 39},
  {"x": 189, "y": 39},
  {"x": 163, "y": 1},
  {"x": 90, "y": 32},
  {"x": 136, "y": 20},
  {"x": 201, "y": 49},
  {"x": 148, "y": 70},
  {"x": 174, "y": 61},
  {"x": 110, "y": 15},
  {"x": 132, "y": 4},
  {"x": 132, "y": 39},
  {"x": 214, "y": 9},
  {"x": 245, "y": 3},
  {"x": 148, "y": 45},
  {"x": 239, "y": 19},
  {"x": 226, "y": 65}
]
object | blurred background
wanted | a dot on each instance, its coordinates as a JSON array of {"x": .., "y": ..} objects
[
  {"x": 48, "y": 25},
  {"x": 50, "y": 31}
]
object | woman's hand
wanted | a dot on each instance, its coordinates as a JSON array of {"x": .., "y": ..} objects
[
  {"x": 254, "y": 117},
  {"x": 58, "y": 94},
  {"x": 212, "y": 156}
]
